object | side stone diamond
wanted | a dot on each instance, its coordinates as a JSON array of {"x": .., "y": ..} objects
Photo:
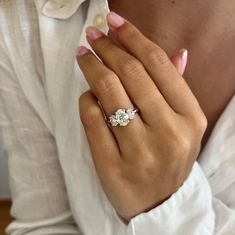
[
  {"x": 131, "y": 113},
  {"x": 113, "y": 120}
]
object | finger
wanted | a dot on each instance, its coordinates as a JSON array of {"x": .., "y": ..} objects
[
  {"x": 179, "y": 60},
  {"x": 109, "y": 91},
  {"x": 104, "y": 149},
  {"x": 132, "y": 74},
  {"x": 175, "y": 90}
]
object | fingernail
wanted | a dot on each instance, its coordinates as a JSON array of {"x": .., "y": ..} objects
[
  {"x": 81, "y": 50},
  {"x": 184, "y": 60},
  {"x": 93, "y": 33},
  {"x": 115, "y": 20}
]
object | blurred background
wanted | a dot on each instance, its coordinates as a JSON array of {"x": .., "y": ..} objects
[
  {"x": 4, "y": 186},
  {"x": 4, "y": 191}
]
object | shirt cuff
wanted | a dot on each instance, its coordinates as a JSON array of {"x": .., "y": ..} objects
[{"x": 188, "y": 211}]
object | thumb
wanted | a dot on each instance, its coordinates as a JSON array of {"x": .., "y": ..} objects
[{"x": 180, "y": 60}]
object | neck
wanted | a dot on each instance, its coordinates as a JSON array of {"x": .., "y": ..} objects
[{"x": 174, "y": 24}]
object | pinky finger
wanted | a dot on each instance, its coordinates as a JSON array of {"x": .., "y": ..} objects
[{"x": 104, "y": 148}]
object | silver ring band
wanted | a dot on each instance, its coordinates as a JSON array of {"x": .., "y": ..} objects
[{"x": 122, "y": 117}]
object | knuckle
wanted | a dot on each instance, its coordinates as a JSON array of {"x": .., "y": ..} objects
[
  {"x": 130, "y": 32},
  {"x": 105, "y": 84},
  {"x": 179, "y": 146},
  {"x": 184, "y": 144},
  {"x": 201, "y": 124},
  {"x": 102, "y": 44},
  {"x": 131, "y": 66},
  {"x": 89, "y": 116},
  {"x": 157, "y": 56},
  {"x": 82, "y": 100}
]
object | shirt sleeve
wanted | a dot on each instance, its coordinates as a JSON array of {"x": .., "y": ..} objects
[
  {"x": 191, "y": 210},
  {"x": 40, "y": 204}
]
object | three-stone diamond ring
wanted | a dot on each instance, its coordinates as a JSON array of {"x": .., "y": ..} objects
[{"x": 122, "y": 117}]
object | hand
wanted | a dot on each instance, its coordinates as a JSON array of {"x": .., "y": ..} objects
[{"x": 143, "y": 164}]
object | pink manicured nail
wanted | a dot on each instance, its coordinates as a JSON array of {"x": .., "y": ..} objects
[
  {"x": 93, "y": 33},
  {"x": 184, "y": 60},
  {"x": 81, "y": 50},
  {"x": 115, "y": 20}
]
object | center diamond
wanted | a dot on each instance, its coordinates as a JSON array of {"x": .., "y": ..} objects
[{"x": 122, "y": 117}]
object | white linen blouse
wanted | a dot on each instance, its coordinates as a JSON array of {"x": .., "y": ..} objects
[{"x": 54, "y": 185}]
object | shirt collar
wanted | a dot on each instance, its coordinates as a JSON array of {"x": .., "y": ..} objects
[{"x": 60, "y": 9}]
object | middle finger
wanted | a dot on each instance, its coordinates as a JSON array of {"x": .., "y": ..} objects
[{"x": 132, "y": 74}]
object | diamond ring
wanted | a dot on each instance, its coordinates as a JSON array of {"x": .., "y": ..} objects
[{"x": 122, "y": 117}]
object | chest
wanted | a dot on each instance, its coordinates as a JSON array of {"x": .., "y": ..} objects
[
  {"x": 211, "y": 76},
  {"x": 210, "y": 72}
]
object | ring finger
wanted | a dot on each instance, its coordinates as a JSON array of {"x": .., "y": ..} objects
[{"x": 108, "y": 89}]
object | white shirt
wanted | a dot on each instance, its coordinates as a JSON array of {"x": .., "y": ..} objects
[{"x": 54, "y": 185}]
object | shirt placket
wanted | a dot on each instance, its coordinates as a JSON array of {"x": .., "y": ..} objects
[{"x": 96, "y": 16}]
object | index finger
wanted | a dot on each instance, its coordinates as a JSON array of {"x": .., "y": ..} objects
[{"x": 174, "y": 89}]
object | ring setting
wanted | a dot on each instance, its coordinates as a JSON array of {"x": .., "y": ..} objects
[{"x": 122, "y": 117}]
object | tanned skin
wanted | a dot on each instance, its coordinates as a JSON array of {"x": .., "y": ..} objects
[{"x": 207, "y": 29}]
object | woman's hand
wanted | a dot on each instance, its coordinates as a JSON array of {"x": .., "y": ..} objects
[{"x": 144, "y": 163}]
